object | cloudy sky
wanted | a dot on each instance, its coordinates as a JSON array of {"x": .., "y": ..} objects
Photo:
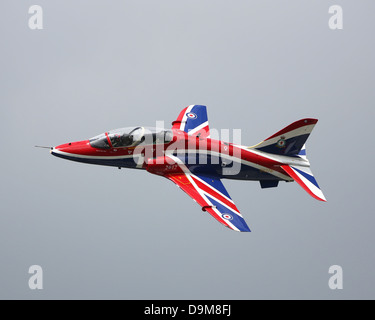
[{"x": 98, "y": 232}]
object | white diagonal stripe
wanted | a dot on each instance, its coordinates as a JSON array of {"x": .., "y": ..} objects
[
  {"x": 184, "y": 118},
  {"x": 196, "y": 129}
]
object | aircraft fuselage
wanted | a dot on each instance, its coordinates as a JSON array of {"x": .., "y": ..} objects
[{"x": 200, "y": 155}]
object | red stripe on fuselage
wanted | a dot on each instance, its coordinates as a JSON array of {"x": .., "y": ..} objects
[
  {"x": 247, "y": 155},
  {"x": 192, "y": 143}
]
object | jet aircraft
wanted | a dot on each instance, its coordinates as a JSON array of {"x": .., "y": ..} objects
[{"x": 197, "y": 163}]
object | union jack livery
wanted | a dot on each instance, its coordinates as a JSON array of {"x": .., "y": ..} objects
[{"x": 197, "y": 163}]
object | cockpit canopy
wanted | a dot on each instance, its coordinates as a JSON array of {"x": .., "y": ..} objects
[{"x": 131, "y": 137}]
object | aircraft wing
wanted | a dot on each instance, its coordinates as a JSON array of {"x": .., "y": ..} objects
[
  {"x": 212, "y": 196},
  {"x": 194, "y": 121}
]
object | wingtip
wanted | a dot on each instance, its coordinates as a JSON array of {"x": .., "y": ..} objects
[
  {"x": 319, "y": 197},
  {"x": 239, "y": 230}
]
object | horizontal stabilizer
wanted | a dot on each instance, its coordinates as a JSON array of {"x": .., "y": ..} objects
[{"x": 305, "y": 178}]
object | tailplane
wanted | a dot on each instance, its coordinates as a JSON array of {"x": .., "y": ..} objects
[{"x": 305, "y": 178}]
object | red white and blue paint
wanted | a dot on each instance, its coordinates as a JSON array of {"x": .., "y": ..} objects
[{"x": 196, "y": 163}]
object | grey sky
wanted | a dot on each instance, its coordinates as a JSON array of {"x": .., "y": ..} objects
[{"x": 99, "y": 232}]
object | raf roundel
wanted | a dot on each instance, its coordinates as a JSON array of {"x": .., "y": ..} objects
[
  {"x": 191, "y": 115},
  {"x": 281, "y": 143},
  {"x": 227, "y": 216}
]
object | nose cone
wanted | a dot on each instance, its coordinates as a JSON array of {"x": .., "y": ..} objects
[{"x": 72, "y": 150}]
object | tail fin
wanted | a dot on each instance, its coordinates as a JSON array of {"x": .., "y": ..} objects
[
  {"x": 305, "y": 179},
  {"x": 290, "y": 140}
]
